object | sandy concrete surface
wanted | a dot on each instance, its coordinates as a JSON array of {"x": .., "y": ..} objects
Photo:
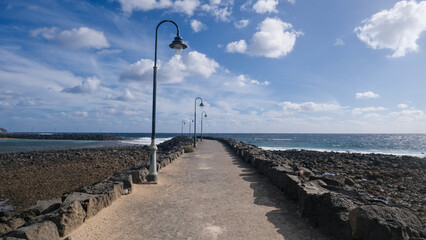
[{"x": 208, "y": 194}]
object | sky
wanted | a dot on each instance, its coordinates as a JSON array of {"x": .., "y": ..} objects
[{"x": 260, "y": 66}]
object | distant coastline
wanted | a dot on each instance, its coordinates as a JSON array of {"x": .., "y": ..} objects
[{"x": 60, "y": 136}]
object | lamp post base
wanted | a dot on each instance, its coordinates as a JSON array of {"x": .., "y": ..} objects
[{"x": 152, "y": 178}]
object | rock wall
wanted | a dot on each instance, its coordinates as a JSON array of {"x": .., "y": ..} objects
[
  {"x": 340, "y": 213},
  {"x": 56, "y": 218}
]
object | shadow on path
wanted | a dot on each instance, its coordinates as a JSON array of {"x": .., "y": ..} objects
[{"x": 285, "y": 218}]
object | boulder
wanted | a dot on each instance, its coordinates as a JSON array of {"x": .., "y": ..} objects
[
  {"x": 383, "y": 222},
  {"x": 139, "y": 175},
  {"x": 126, "y": 179},
  {"x": 108, "y": 190},
  {"x": 41, "y": 207},
  {"x": 92, "y": 204},
  {"x": 329, "y": 211},
  {"x": 67, "y": 218},
  {"x": 45, "y": 230}
]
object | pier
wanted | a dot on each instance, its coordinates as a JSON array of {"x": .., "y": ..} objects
[{"x": 207, "y": 194}]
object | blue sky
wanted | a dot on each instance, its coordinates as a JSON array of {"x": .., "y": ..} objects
[{"x": 265, "y": 66}]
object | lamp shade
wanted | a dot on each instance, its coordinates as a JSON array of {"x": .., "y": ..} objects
[{"x": 178, "y": 45}]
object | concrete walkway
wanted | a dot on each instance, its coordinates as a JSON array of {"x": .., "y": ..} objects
[{"x": 208, "y": 194}]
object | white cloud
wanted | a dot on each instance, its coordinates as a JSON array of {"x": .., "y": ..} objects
[
  {"x": 274, "y": 39},
  {"x": 339, "y": 42},
  {"x": 237, "y": 46},
  {"x": 197, "y": 25},
  {"x": 184, "y": 6},
  {"x": 397, "y": 29},
  {"x": 243, "y": 80},
  {"x": 127, "y": 96},
  {"x": 242, "y": 23},
  {"x": 292, "y": 1},
  {"x": 402, "y": 106},
  {"x": 265, "y": 6},
  {"x": 175, "y": 70},
  {"x": 358, "y": 111},
  {"x": 309, "y": 107},
  {"x": 128, "y": 6},
  {"x": 199, "y": 63},
  {"x": 222, "y": 11},
  {"x": 366, "y": 95},
  {"x": 89, "y": 85},
  {"x": 82, "y": 37}
]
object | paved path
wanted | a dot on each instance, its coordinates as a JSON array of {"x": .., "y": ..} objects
[{"x": 208, "y": 194}]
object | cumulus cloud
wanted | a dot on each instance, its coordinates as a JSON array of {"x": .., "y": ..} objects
[
  {"x": 309, "y": 107},
  {"x": 221, "y": 10},
  {"x": 237, "y": 46},
  {"x": 274, "y": 39},
  {"x": 366, "y": 95},
  {"x": 199, "y": 63},
  {"x": 89, "y": 85},
  {"x": 397, "y": 29},
  {"x": 358, "y": 111},
  {"x": 178, "y": 67},
  {"x": 82, "y": 37},
  {"x": 242, "y": 23},
  {"x": 184, "y": 6},
  {"x": 127, "y": 96},
  {"x": 265, "y": 6},
  {"x": 243, "y": 80},
  {"x": 197, "y": 25}
]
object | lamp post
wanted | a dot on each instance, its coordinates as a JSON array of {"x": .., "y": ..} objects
[
  {"x": 183, "y": 123},
  {"x": 178, "y": 45},
  {"x": 190, "y": 120},
  {"x": 195, "y": 119},
  {"x": 203, "y": 115}
]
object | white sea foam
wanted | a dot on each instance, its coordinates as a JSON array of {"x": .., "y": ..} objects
[
  {"x": 145, "y": 141},
  {"x": 420, "y": 155}
]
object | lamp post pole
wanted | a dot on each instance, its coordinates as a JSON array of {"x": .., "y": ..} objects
[
  {"x": 178, "y": 45},
  {"x": 183, "y": 123},
  {"x": 195, "y": 118},
  {"x": 203, "y": 114}
]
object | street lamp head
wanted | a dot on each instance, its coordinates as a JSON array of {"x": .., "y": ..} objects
[
  {"x": 201, "y": 104},
  {"x": 178, "y": 45},
  {"x": 205, "y": 115}
]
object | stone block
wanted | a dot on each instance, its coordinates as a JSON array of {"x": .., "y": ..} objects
[
  {"x": 139, "y": 175},
  {"x": 38, "y": 231},
  {"x": 41, "y": 207},
  {"x": 376, "y": 222},
  {"x": 92, "y": 204}
]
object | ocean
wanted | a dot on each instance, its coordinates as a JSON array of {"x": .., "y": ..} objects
[{"x": 396, "y": 144}]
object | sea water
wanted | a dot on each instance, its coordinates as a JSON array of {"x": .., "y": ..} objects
[{"x": 396, "y": 144}]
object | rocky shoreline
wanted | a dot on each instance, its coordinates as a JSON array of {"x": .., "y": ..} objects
[
  {"x": 393, "y": 180},
  {"x": 348, "y": 195},
  {"x": 38, "y": 183}
]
